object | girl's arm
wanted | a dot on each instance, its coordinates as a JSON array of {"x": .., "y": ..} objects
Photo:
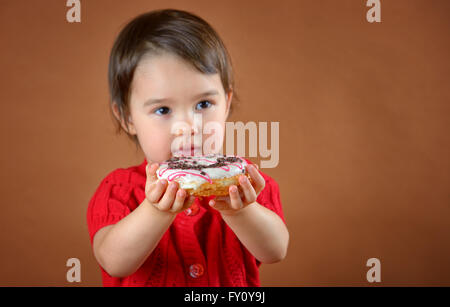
[
  {"x": 122, "y": 248},
  {"x": 261, "y": 231}
]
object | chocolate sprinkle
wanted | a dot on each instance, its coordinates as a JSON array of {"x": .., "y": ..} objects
[{"x": 183, "y": 163}]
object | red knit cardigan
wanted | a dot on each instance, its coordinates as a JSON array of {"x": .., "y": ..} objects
[{"x": 198, "y": 249}]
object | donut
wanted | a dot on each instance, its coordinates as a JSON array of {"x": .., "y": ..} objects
[{"x": 204, "y": 175}]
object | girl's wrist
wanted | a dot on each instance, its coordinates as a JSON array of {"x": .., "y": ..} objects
[
  {"x": 236, "y": 213},
  {"x": 153, "y": 210}
]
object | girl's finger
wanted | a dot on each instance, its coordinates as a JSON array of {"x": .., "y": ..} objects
[
  {"x": 169, "y": 196},
  {"x": 223, "y": 199},
  {"x": 258, "y": 180},
  {"x": 151, "y": 172},
  {"x": 236, "y": 201},
  {"x": 188, "y": 201},
  {"x": 218, "y": 205},
  {"x": 248, "y": 190},
  {"x": 179, "y": 200},
  {"x": 156, "y": 191}
]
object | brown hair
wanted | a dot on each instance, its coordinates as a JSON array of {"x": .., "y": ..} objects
[{"x": 174, "y": 31}]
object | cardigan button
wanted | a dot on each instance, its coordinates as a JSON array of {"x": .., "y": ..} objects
[
  {"x": 192, "y": 210},
  {"x": 196, "y": 270}
]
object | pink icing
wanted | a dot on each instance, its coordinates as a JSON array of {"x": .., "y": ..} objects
[
  {"x": 172, "y": 176},
  {"x": 182, "y": 173}
]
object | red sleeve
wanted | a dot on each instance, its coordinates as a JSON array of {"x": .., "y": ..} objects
[
  {"x": 269, "y": 197},
  {"x": 108, "y": 205}
]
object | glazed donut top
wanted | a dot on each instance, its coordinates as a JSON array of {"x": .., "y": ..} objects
[{"x": 192, "y": 171}]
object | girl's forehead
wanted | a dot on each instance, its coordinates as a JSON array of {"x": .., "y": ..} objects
[
  {"x": 168, "y": 75},
  {"x": 165, "y": 64}
]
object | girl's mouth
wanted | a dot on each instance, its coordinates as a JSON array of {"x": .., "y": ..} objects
[{"x": 191, "y": 151}]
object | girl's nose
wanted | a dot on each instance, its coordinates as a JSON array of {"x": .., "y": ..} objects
[
  {"x": 193, "y": 130},
  {"x": 188, "y": 125}
]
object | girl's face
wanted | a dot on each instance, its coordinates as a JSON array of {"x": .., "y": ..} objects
[{"x": 166, "y": 94}]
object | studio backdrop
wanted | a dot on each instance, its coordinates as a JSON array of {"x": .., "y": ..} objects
[{"x": 359, "y": 93}]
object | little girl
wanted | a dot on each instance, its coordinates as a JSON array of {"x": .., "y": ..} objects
[{"x": 165, "y": 67}]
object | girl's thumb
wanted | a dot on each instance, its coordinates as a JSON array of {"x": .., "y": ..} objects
[{"x": 148, "y": 167}]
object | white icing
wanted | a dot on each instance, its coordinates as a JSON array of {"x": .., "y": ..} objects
[{"x": 193, "y": 178}]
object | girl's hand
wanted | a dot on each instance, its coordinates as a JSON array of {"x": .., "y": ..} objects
[
  {"x": 241, "y": 196},
  {"x": 164, "y": 197}
]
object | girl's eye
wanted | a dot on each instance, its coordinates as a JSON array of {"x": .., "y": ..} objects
[
  {"x": 164, "y": 110},
  {"x": 203, "y": 105}
]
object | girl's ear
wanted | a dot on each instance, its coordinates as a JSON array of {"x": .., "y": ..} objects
[{"x": 130, "y": 129}]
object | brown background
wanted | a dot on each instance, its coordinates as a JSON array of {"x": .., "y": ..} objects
[{"x": 364, "y": 122}]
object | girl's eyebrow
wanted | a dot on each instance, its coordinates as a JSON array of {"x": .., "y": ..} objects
[
  {"x": 207, "y": 93},
  {"x": 155, "y": 100},
  {"x": 160, "y": 100}
]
